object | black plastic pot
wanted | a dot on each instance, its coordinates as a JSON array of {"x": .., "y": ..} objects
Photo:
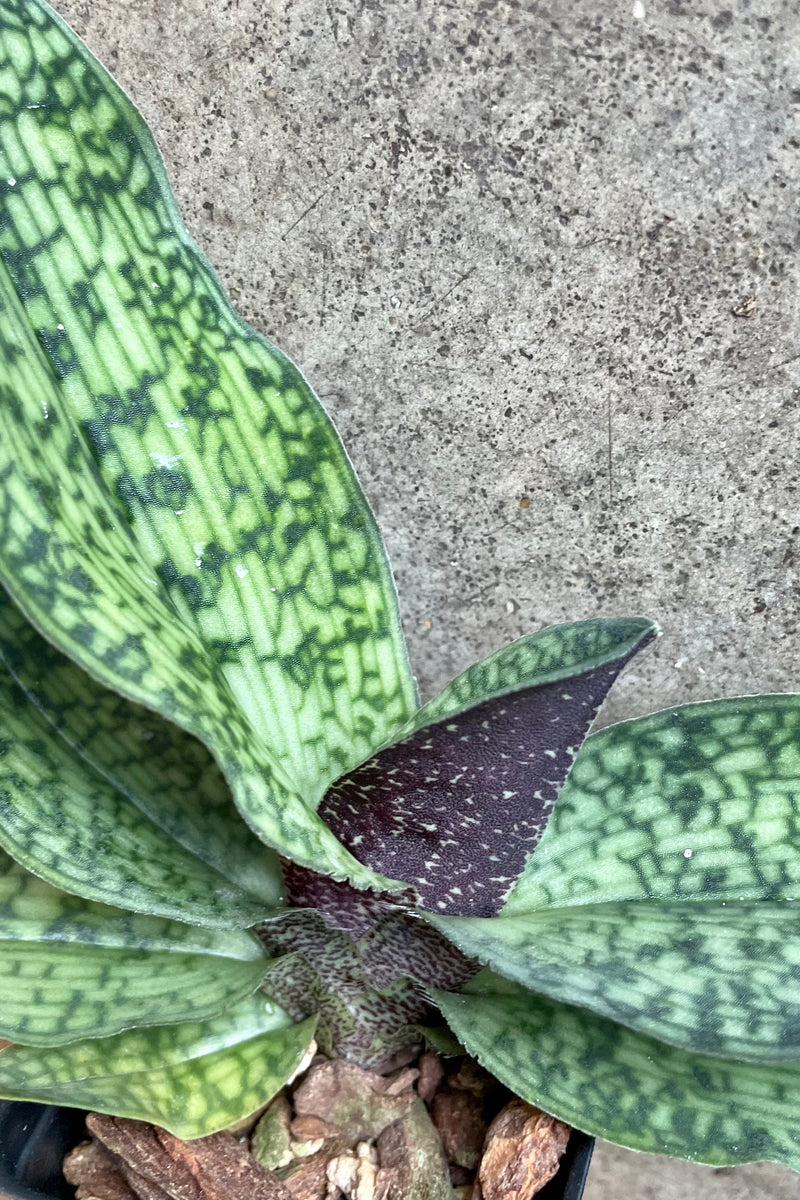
[{"x": 35, "y": 1137}]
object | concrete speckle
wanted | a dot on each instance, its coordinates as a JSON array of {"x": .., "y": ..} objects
[
  {"x": 617, "y": 1174},
  {"x": 540, "y": 262}
]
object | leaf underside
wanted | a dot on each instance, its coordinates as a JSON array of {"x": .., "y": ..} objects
[
  {"x": 179, "y": 515},
  {"x": 163, "y": 771},
  {"x": 624, "y": 1086},
  {"x": 456, "y": 808},
  {"x": 698, "y": 803},
  {"x": 193, "y": 1078},
  {"x": 72, "y": 968},
  {"x": 718, "y": 978}
]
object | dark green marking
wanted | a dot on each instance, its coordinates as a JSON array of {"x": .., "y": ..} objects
[
  {"x": 178, "y": 514},
  {"x": 624, "y": 1086},
  {"x": 166, "y": 773},
  {"x": 69, "y": 824},
  {"x": 193, "y": 1078},
  {"x": 694, "y": 803},
  {"x": 557, "y": 652},
  {"x": 72, "y": 968},
  {"x": 718, "y": 977}
]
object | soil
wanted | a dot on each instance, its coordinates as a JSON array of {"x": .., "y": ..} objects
[{"x": 442, "y": 1129}]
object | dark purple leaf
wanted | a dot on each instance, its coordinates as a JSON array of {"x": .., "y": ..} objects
[{"x": 456, "y": 808}]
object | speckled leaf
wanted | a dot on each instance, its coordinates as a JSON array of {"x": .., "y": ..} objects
[
  {"x": 720, "y": 978},
  {"x": 71, "y": 968},
  {"x": 193, "y": 1078},
  {"x": 163, "y": 771},
  {"x": 554, "y": 653},
  {"x": 178, "y": 515},
  {"x": 624, "y": 1086},
  {"x": 694, "y": 803},
  {"x": 66, "y": 822},
  {"x": 360, "y": 986},
  {"x": 457, "y": 807}
]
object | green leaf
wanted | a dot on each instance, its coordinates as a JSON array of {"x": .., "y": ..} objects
[
  {"x": 551, "y": 654},
  {"x": 71, "y": 968},
  {"x": 134, "y": 640},
  {"x": 623, "y": 1086},
  {"x": 178, "y": 516},
  {"x": 163, "y": 771},
  {"x": 719, "y": 978},
  {"x": 193, "y": 1079},
  {"x": 694, "y": 803},
  {"x": 67, "y": 823}
]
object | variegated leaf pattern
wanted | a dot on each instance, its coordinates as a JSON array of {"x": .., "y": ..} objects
[
  {"x": 71, "y": 968},
  {"x": 67, "y": 560},
  {"x": 456, "y": 807},
  {"x": 557, "y": 652},
  {"x": 161, "y": 769},
  {"x": 193, "y": 1078},
  {"x": 698, "y": 803},
  {"x": 208, "y": 436},
  {"x": 721, "y": 978},
  {"x": 159, "y": 459},
  {"x": 68, "y": 823},
  {"x": 624, "y": 1086}
]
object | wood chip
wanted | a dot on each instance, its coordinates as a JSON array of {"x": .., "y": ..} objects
[
  {"x": 431, "y": 1074},
  {"x": 94, "y": 1172},
  {"x": 402, "y": 1082},
  {"x": 309, "y": 1179},
  {"x": 156, "y": 1164},
  {"x": 522, "y": 1151},
  {"x": 459, "y": 1119}
]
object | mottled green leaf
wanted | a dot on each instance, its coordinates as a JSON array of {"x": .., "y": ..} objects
[
  {"x": 140, "y": 645},
  {"x": 163, "y": 771},
  {"x": 66, "y": 822},
  {"x": 71, "y": 968},
  {"x": 178, "y": 515},
  {"x": 694, "y": 803},
  {"x": 208, "y": 436},
  {"x": 722, "y": 977},
  {"x": 624, "y": 1086},
  {"x": 547, "y": 656},
  {"x": 193, "y": 1078}
]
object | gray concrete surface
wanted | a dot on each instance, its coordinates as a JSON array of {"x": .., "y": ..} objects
[{"x": 539, "y": 259}]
